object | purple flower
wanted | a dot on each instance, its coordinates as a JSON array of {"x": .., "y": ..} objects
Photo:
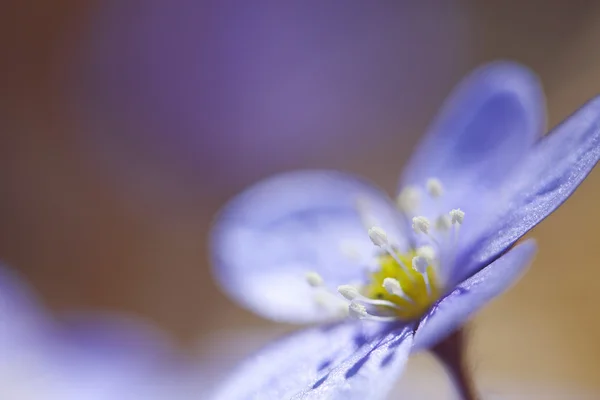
[
  {"x": 411, "y": 271},
  {"x": 84, "y": 358}
]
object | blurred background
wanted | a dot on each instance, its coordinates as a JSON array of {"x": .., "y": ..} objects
[{"x": 126, "y": 124}]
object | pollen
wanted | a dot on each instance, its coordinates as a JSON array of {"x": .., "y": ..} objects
[{"x": 412, "y": 291}]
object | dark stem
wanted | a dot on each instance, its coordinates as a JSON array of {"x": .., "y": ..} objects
[{"x": 451, "y": 352}]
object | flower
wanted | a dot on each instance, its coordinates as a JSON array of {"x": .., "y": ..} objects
[
  {"x": 412, "y": 270},
  {"x": 84, "y": 358}
]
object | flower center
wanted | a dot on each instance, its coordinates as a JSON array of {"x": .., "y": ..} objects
[
  {"x": 411, "y": 291},
  {"x": 403, "y": 285}
]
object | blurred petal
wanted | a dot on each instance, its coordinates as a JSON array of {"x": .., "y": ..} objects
[
  {"x": 87, "y": 359},
  {"x": 21, "y": 316},
  {"x": 16, "y": 297},
  {"x": 484, "y": 130},
  {"x": 468, "y": 297},
  {"x": 345, "y": 361},
  {"x": 268, "y": 238},
  {"x": 549, "y": 175},
  {"x": 115, "y": 338}
]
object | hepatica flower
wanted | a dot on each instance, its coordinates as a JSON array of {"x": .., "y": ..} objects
[{"x": 400, "y": 274}]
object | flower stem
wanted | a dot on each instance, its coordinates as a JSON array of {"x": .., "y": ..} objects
[{"x": 451, "y": 353}]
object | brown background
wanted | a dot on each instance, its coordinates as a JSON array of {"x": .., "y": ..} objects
[{"x": 83, "y": 243}]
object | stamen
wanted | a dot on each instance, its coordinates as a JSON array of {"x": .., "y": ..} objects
[
  {"x": 314, "y": 279},
  {"x": 420, "y": 265},
  {"x": 351, "y": 293},
  {"x": 323, "y": 296},
  {"x": 434, "y": 188},
  {"x": 427, "y": 252},
  {"x": 380, "y": 239},
  {"x": 420, "y": 225},
  {"x": 356, "y": 310},
  {"x": 457, "y": 216},
  {"x": 359, "y": 311},
  {"x": 427, "y": 283},
  {"x": 378, "y": 236},
  {"x": 393, "y": 287},
  {"x": 408, "y": 200}
]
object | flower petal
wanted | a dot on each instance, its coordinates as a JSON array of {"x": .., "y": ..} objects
[
  {"x": 111, "y": 364},
  {"x": 549, "y": 175},
  {"x": 344, "y": 361},
  {"x": 268, "y": 238},
  {"x": 484, "y": 130},
  {"x": 85, "y": 358},
  {"x": 20, "y": 306},
  {"x": 114, "y": 339},
  {"x": 453, "y": 310}
]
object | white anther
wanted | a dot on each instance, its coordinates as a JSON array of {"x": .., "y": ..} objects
[
  {"x": 457, "y": 216},
  {"x": 420, "y": 264},
  {"x": 434, "y": 187},
  {"x": 378, "y": 236},
  {"x": 408, "y": 199},
  {"x": 356, "y": 310},
  {"x": 443, "y": 223},
  {"x": 426, "y": 252},
  {"x": 359, "y": 311},
  {"x": 420, "y": 225},
  {"x": 314, "y": 279},
  {"x": 393, "y": 287},
  {"x": 349, "y": 292}
]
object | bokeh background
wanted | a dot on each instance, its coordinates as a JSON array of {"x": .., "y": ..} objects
[{"x": 125, "y": 125}]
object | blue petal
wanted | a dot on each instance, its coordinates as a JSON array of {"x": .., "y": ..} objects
[
  {"x": 345, "y": 361},
  {"x": 484, "y": 128},
  {"x": 550, "y": 174},
  {"x": 484, "y": 131},
  {"x": 267, "y": 239},
  {"x": 453, "y": 310}
]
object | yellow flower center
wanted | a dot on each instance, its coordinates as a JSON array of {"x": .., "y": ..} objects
[{"x": 419, "y": 292}]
